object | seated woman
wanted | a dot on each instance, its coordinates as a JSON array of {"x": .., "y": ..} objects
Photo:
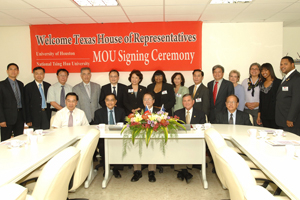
[
  {"x": 163, "y": 92},
  {"x": 148, "y": 100},
  {"x": 179, "y": 89}
]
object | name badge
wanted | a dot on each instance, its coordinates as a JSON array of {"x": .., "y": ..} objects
[
  {"x": 130, "y": 90},
  {"x": 178, "y": 95},
  {"x": 285, "y": 88},
  {"x": 198, "y": 100},
  {"x": 164, "y": 92}
]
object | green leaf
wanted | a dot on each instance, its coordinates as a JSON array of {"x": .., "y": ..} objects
[
  {"x": 135, "y": 133},
  {"x": 148, "y": 135},
  {"x": 166, "y": 134},
  {"x": 123, "y": 128}
]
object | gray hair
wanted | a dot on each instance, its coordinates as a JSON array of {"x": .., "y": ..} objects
[
  {"x": 85, "y": 68},
  {"x": 216, "y": 67},
  {"x": 235, "y": 72}
]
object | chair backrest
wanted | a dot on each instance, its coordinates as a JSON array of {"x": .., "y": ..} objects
[
  {"x": 237, "y": 174},
  {"x": 53, "y": 182},
  {"x": 13, "y": 192},
  {"x": 51, "y": 121},
  {"x": 87, "y": 146},
  {"x": 259, "y": 193},
  {"x": 214, "y": 142}
]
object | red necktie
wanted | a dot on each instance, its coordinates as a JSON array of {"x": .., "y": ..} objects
[{"x": 215, "y": 92}]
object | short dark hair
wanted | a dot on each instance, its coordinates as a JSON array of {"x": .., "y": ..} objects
[
  {"x": 114, "y": 70},
  {"x": 289, "y": 58},
  {"x": 136, "y": 72},
  {"x": 157, "y": 73},
  {"x": 253, "y": 64},
  {"x": 198, "y": 70},
  {"x": 233, "y": 95},
  {"x": 149, "y": 93},
  {"x": 37, "y": 68},
  {"x": 112, "y": 95},
  {"x": 216, "y": 67},
  {"x": 85, "y": 68},
  {"x": 72, "y": 94},
  {"x": 268, "y": 67},
  {"x": 10, "y": 64},
  {"x": 62, "y": 70},
  {"x": 176, "y": 74},
  {"x": 186, "y": 95}
]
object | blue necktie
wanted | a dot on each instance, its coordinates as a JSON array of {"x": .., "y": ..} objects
[
  {"x": 111, "y": 118},
  {"x": 43, "y": 96}
]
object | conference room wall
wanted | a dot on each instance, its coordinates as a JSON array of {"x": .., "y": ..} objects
[
  {"x": 291, "y": 44},
  {"x": 233, "y": 45}
]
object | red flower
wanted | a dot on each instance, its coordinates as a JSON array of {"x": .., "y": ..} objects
[
  {"x": 145, "y": 117},
  {"x": 176, "y": 117},
  {"x": 131, "y": 115},
  {"x": 164, "y": 122}
]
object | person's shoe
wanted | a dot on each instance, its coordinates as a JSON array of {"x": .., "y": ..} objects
[
  {"x": 136, "y": 176},
  {"x": 188, "y": 176},
  {"x": 180, "y": 176},
  {"x": 151, "y": 176},
  {"x": 116, "y": 173}
]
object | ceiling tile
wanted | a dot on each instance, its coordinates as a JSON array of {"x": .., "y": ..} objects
[
  {"x": 185, "y": 2},
  {"x": 292, "y": 24},
  {"x": 111, "y": 19},
  {"x": 284, "y": 16},
  {"x": 272, "y": 1},
  {"x": 52, "y": 3},
  {"x": 25, "y": 13},
  {"x": 65, "y": 12},
  {"x": 295, "y": 8},
  {"x": 76, "y": 20},
  {"x": 144, "y": 10},
  {"x": 181, "y": 17},
  {"x": 270, "y": 8},
  {"x": 48, "y": 20},
  {"x": 146, "y": 18},
  {"x": 12, "y": 22},
  {"x": 103, "y": 11},
  {"x": 14, "y": 4},
  {"x": 4, "y": 16},
  {"x": 184, "y": 10},
  {"x": 141, "y": 2}
]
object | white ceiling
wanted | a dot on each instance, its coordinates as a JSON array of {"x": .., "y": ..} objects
[{"x": 32, "y": 12}]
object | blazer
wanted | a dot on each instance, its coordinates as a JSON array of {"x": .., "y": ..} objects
[
  {"x": 88, "y": 105},
  {"x": 241, "y": 118},
  {"x": 33, "y": 102},
  {"x": 198, "y": 117},
  {"x": 288, "y": 101},
  {"x": 267, "y": 102},
  {"x": 101, "y": 115},
  {"x": 201, "y": 98},
  {"x": 132, "y": 102},
  {"x": 167, "y": 99},
  {"x": 106, "y": 89},
  {"x": 8, "y": 102},
  {"x": 225, "y": 90},
  {"x": 178, "y": 97}
]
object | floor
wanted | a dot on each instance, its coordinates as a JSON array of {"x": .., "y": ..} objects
[{"x": 166, "y": 187}]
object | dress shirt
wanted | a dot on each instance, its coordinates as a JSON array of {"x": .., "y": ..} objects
[
  {"x": 55, "y": 90},
  {"x": 108, "y": 115},
  {"x": 13, "y": 83},
  {"x": 191, "y": 113},
  {"x": 219, "y": 85},
  {"x": 150, "y": 109},
  {"x": 38, "y": 85},
  {"x": 233, "y": 116},
  {"x": 288, "y": 74},
  {"x": 197, "y": 86},
  {"x": 61, "y": 118},
  {"x": 248, "y": 96},
  {"x": 112, "y": 88}
]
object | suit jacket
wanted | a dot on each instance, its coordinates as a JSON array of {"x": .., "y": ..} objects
[
  {"x": 106, "y": 89},
  {"x": 101, "y": 115},
  {"x": 198, "y": 117},
  {"x": 202, "y": 96},
  {"x": 167, "y": 99},
  {"x": 225, "y": 90},
  {"x": 33, "y": 102},
  {"x": 288, "y": 102},
  {"x": 241, "y": 118},
  {"x": 8, "y": 102},
  {"x": 88, "y": 105},
  {"x": 132, "y": 102}
]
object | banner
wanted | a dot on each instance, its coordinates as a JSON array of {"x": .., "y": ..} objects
[{"x": 169, "y": 46}]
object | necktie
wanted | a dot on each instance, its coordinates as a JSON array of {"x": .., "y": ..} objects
[
  {"x": 111, "y": 118},
  {"x": 187, "y": 117},
  {"x": 215, "y": 92},
  {"x": 70, "y": 123},
  {"x": 283, "y": 79},
  {"x": 194, "y": 91},
  {"x": 16, "y": 91},
  {"x": 114, "y": 90},
  {"x": 87, "y": 88},
  {"x": 43, "y": 96},
  {"x": 62, "y": 96},
  {"x": 230, "y": 119}
]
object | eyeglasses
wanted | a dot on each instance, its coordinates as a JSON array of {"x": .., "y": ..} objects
[
  {"x": 147, "y": 99},
  {"x": 231, "y": 102}
]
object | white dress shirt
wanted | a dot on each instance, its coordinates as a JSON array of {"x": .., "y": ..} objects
[
  {"x": 61, "y": 118},
  {"x": 116, "y": 88},
  {"x": 54, "y": 92},
  {"x": 233, "y": 116}
]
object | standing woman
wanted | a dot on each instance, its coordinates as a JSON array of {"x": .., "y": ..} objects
[
  {"x": 133, "y": 94},
  {"x": 180, "y": 90},
  {"x": 267, "y": 97},
  {"x": 252, "y": 90},
  {"x": 163, "y": 92},
  {"x": 234, "y": 77}
]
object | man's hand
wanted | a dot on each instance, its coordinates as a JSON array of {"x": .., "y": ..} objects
[
  {"x": 29, "y": 124},
  {"x": 289, "y": 123},
  {"x": 3, "y": 124}
]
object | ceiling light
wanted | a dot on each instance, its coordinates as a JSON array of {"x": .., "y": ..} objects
[
  {"x": 96, "y": 2},
  {"x": 229, "y": 1}
]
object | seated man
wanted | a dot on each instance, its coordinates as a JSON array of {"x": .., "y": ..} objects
[
  {"x": 189, "y": 115},
  {"x": 70, "y": 116},
  {"x": 148, "y": 100},
  {"x": 109, "y": 115},
  {"x": 232, "y": 115}
]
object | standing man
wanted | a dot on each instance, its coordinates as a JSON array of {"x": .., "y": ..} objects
[
  {"x": 57, "y": 92},
  {"x": 219, "y": 90},
  {"x": 12, "y": 111},
  {"x": 88, "y": 93},
  {"x": 38, "y": 112},
  {"x": 113, "y": 87},
  {"x": 287, "y": 113},
  {"x": 200, "y": 92}
]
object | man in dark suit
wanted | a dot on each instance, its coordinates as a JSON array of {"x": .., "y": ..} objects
[
  {"x": 219, "y": 90},
  {"x": 200, "y": 92},
  {"x": 38, "y": 111},
  {"x": 12, "y": 111},
  {"x": 110, "y": 114},
  {"x": 232, "y": 115},
  {"x": 113, "y": 87},
  {"x": 287, "y": 114}
]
